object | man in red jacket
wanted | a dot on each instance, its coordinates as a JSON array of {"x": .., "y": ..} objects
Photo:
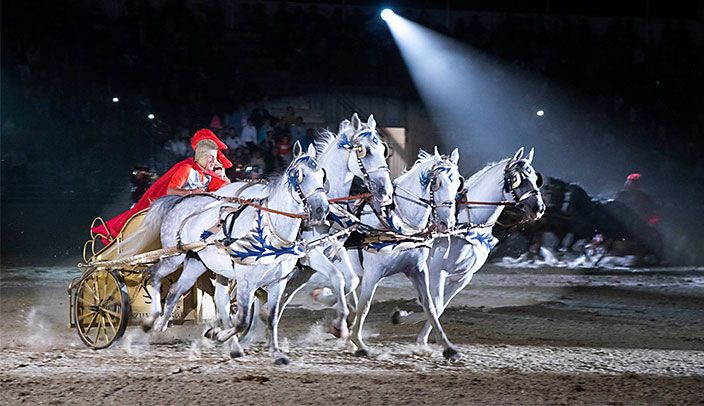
[{"x": 192, "y": 175}]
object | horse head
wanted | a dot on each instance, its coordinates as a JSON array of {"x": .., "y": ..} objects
[
  {"x": 444, "y": 183},
  {"x": 307, "y": 182},
  {"x": 428, "y": 188},
  {"x": 522, "y": 183},
  {"x": 367, "y": 158}
]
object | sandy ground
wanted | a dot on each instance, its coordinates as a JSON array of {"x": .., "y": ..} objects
[{"x": 538, "y": 336}]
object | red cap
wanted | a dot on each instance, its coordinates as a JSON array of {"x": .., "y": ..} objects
[
  {"x": 205, "y": 134},
  {"x": 633, "y": 177},
  {"x": 226, "y": 163}
]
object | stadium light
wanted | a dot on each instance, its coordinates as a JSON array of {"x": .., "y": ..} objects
[
  {"x": 150, "y": 116},
  {"x": 386, "y": 14},
  {"x": 115, "y": 100},
  {"x": 540, "y": 113}
]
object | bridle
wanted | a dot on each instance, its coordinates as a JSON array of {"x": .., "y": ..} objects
[
  {"x": 360, "y": 153},
  {"x": 295, "y": 178},
  {"x": 433, "y": 186},
  {"x": 511, "y": 172}
]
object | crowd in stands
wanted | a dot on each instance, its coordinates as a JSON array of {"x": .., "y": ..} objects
[
  {"x": 259, "y": 143},
  {"x": 188, "y": 65}
]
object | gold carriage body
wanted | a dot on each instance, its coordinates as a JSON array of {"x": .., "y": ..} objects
[{"x": 108, "y": 298}]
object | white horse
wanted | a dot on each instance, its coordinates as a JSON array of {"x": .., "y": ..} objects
[
  {"x": 356, "y": 150},
  {"x": 427, "y": 191},
  {"x": 511, "y": 180},
  {"x": 262, "y": 244}
]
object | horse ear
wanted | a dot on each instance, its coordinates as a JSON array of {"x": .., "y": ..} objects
[
  {"x": 356, "y": 123},
  {"x": 437, "y": 154},
  {"x": 519, "y": 155},
  {"x": 530, "y": 155},
  {"x": 343, "y": 126},
  {"x": 455, "y": 156},
  {"x": 297, "y": 149},
  {"x": 371, "y": 122},
  {"x": 311, "y": 150}
]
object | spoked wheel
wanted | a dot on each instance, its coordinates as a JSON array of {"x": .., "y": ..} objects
[{"x": 101, "y": 308}]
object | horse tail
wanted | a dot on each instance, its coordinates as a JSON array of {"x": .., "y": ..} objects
[{"x": 148, "y": 233}]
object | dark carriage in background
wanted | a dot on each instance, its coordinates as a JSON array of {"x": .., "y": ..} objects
[{"x": 576, "y": 220}]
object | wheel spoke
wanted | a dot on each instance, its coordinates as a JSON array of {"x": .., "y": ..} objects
[
  {"x": 96, "y": 288},
  {"x": 105, "y": 285},
  {"x": 90, "y": 290},
  {"x": 85, "y": 315},
  {"x": 84, "y": 302},
  {"x": 112, "y": 313},
  {"x": 90, "y": 325},
  {"x": 97, "y": 332},
  {"x": 105, "y": 330},
  {"x": 113, "y": 290},
  {"x": 114, "y": 330}
]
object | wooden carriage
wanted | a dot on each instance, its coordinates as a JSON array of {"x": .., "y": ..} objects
[{"x": 108, "y": 296}]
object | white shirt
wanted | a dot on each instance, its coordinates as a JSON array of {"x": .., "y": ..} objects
[{"x": 249, "y": 134}]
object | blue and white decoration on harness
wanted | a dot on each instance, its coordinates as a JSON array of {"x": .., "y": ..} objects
[
  {"x": 260, "y": 245},
  {"x": 481, "y": 238}
]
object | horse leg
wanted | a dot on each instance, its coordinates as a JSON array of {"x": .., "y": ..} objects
[
  {"x": 420, "y": 281},
  {"x": 370, "y": 281},
  {"x": 221, "y": 298},
  {"x": 245, "y": 298},
  {"x": 452, "y": 288},
  {"x": 192, "y": 270},
  {"x": 275, "y": 291},
  {"x": 321, "y": 263},
  {"x": 436, "y": 287},
  {"x": 296, "y": 283},
  {"x": 163, "y": 268}
]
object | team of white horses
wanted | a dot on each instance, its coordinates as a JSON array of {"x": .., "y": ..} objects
[{"x": 429, "y": 224}]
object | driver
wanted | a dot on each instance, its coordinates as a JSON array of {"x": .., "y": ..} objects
[{"x": 190, "y": 176}]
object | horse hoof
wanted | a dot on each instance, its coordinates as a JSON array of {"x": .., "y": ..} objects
[
  {"x": 236, "y": 354},
  {"x": 210, "y": 334},
  {"x": 282, "y": 360},
  {"x": 361, "y": 353},
  {"x": 146, "y": 327},
  {"x": 451, "y": 354}
]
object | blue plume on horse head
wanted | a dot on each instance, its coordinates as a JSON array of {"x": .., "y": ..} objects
[{"x": 425, "y": 178}]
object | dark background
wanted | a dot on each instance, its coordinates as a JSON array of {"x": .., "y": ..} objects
[{"x": 67, "y": 150}]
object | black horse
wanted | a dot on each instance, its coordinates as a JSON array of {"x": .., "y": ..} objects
[{"x": 573, "y": 215}]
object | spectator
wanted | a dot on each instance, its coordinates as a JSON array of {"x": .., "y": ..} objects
[
  {"x": 290, "y": 116},
  {"x": 298, "y": 130},
  {"x": 284, "y": 151},
  {"x": 263, "y": 131},
  {"x": 249, "y": 134},
  {"x": 260, "y": 115},
  {"x": 177, "y": 148},
  {"x": 257, "y": 159},
  {"x": 281, "y": 130},
  {"x": 268, "y": 148},
  {"x": 307, "y": 139},
  {"x": 232, "y": 140}
]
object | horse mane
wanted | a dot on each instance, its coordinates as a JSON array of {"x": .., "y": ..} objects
[
  {"x": 423, "y": 159},
  {"x": 326, "y": 138},
  {"x": 323, "y": 141},
  {"x": 474, "y": 178}
]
